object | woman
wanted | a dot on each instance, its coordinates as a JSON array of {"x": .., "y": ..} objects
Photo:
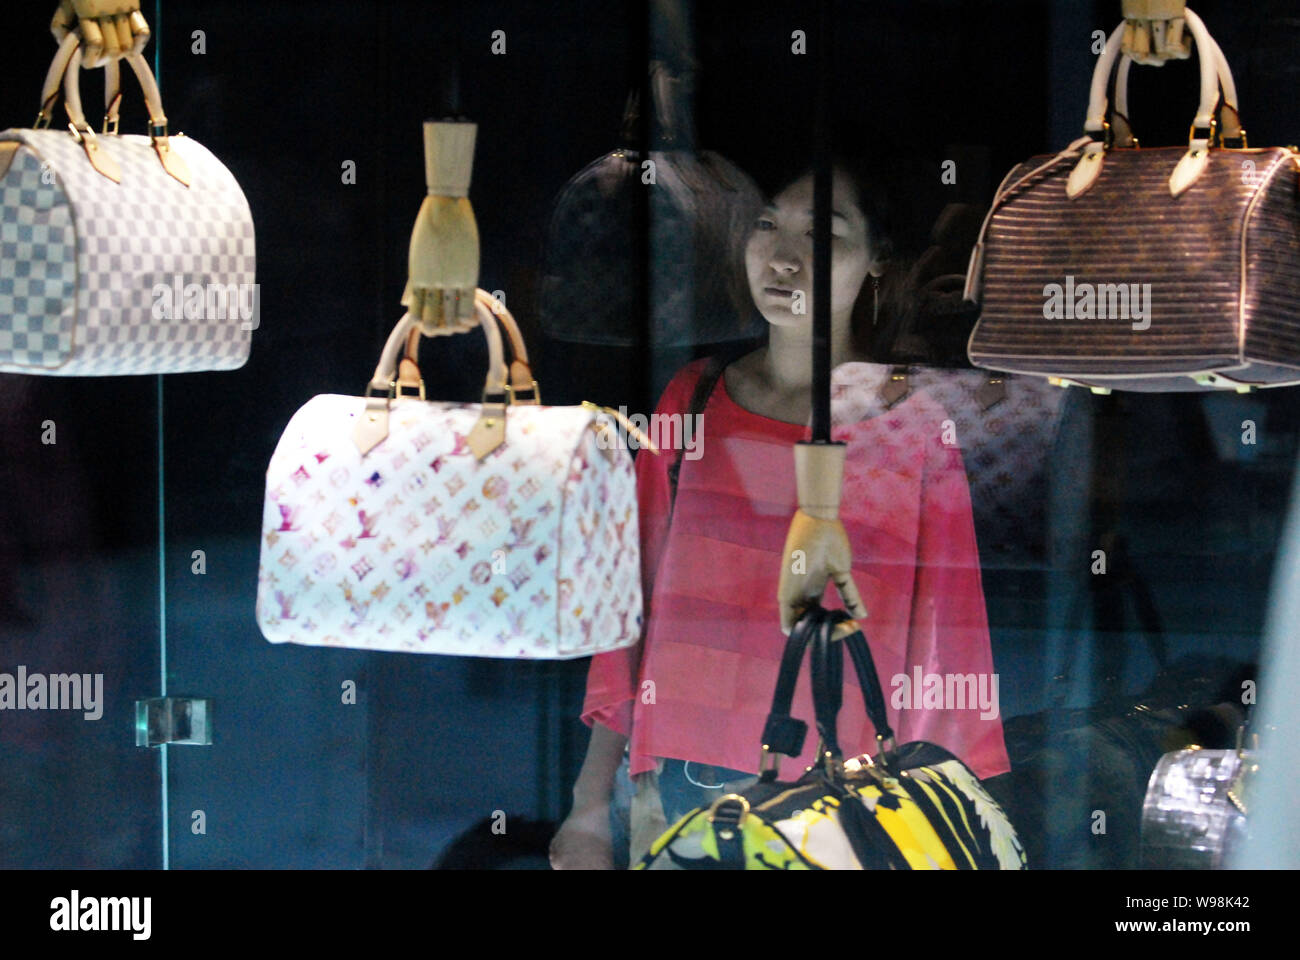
[{"x": 691, "y": 699}]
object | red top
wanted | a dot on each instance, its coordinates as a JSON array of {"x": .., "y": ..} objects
[{"x": 700, "y": 684}]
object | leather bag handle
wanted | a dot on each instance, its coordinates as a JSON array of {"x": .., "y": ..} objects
[
  {"x": 65, "y": 74},
  {"x": 488, "y": 432},
  {"x": 1201, "y": 136},
  {"x": 385, "y": 375},
  {"x": 519, "y": 373},
  {"x": 784, "y": 734},
  {"x": 1229, "y": 117},
  {"x": 873, "y": 695}
]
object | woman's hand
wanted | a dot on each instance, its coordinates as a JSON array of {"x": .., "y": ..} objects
[{"x": 584, "y": 840}]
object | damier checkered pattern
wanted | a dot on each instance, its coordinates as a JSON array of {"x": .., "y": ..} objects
[
  {"x": 38, "y": 267},
  {"x": 134, "y": 240}
]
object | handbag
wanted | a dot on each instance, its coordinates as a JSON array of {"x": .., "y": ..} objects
[
  {"x": 910, "y": 807},
  {"x": 495, "y": 529},
  {"x": 1115, "y": 266},
  {"x": 701, "y": 207},
  {"x": 1006, "y": 428},
  {"x": 121, "y": 254},
  {"x": 1194, "y": 816}
]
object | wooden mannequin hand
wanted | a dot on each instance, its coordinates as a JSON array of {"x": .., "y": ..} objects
[
  {"x": 444, "y": 264},
  {"x": 1154, "y": 31},
  {"x": 444, "y": 252},
  {"x": 816, "y": 550},
  {"x": 817, "y": 546},
  {"x": 109, "y": 29}
]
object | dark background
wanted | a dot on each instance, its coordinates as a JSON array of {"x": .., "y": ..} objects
[{"x": 284, "y": 95}]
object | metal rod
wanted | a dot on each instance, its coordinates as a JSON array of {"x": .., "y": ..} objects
[{"x": 822, "y": 187}]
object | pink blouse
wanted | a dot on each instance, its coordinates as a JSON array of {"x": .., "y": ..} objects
[{"x": 700, "y": 684}]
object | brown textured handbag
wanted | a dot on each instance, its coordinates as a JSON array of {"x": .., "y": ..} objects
[{"x": 1166, "y": 269}]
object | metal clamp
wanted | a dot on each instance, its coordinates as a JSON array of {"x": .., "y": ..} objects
[
  {"x": 769, "y": 761},
  {"x": 113, "y": 121},
  {"x": 396, "y": 388},
  {"x": 723, "y": 811},
  {"x": 533, "y": 387},
  {"x": 1212, "y": 136}
]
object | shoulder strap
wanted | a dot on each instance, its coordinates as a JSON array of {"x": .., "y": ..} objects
[{"x": 704, "y": 388}]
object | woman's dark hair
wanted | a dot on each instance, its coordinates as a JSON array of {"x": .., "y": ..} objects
[
  {"x": 883, "y": 304},
  {"x": 891, "y": 316}
]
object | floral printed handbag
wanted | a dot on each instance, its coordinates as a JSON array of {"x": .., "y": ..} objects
[
  {"x": 497, "y": 529},
  {"x": 911, "y": 807}
]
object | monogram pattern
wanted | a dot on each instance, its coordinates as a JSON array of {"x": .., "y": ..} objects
[
  {"x": 418, "y": 546},
  {"x": 1006, "y": 441}
]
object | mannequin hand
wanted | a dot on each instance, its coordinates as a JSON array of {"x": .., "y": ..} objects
[
  {"x": 444, "y": 244},
  {"x": 816, "y": 550},
  {"x": 817, "y": 546},
  {"x": 109, "y": 29},
  {"x": 444, "y": 264},
  {"x": 1154, "y": 31}
]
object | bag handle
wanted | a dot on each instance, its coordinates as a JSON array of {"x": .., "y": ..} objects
[
  {"x": 1201, "y": 136},
  {"x": 67, "y": 60},
  {"x": 1229, "y": 116},
  {"x": 873, "y": 695},
  {"x": 65, "y": 74},
  {"x": 520, "y": 373},
  {"x": 489, "y": 431},
  {"x": 898, "y": 387},
  {"x": 521, "y": 370},
  {"x": 783, "y": 734},
  {"x": 385, "y": 375}
]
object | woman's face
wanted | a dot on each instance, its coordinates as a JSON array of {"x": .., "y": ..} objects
[{"x": 778, "y": 257}]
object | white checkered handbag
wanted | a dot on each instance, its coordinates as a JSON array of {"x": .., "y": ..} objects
[
  {"x": 500, "y": 529},
  {"x": 120, "y": 254}
]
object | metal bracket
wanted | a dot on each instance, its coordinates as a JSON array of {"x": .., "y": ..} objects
[{"x": 179, "y": 720}]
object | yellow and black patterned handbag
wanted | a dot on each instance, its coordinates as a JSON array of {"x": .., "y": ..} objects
[{"x": 912, "y": 807}]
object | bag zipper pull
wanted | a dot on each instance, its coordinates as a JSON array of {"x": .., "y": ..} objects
[{"x": 642, "y": 440}]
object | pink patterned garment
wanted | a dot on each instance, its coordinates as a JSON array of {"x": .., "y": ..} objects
[{"x": 700, "y": 684}]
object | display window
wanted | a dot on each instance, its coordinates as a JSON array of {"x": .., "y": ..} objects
[{"x": 664, "y": 435}]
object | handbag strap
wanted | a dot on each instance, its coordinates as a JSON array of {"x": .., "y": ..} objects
[
  {"x": 783, "y": 734},
  {"x": 898, "y": 387},
  {"x": 384, "y": 378},
  {"x": 828, "y": 684},
  {"x": 488, "y": 432},
  {"x": 1228, "y": 114},
  {"x": 827, "y": 662},
  {"x": 65, "y": 75},
  {"x": 1201, "y": 136},
  {"x": 519, "y": 372}
]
